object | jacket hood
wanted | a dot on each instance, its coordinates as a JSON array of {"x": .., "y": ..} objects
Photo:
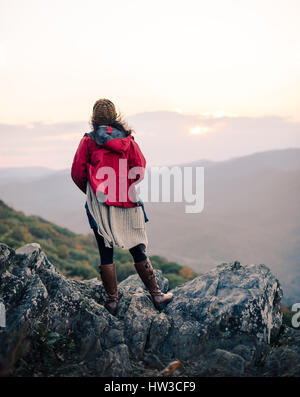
[{"x": 111, "y": 138}]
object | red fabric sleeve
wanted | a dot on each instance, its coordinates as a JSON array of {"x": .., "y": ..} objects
[
  {"x": 79, "y": 166},
  {"x": 136, "y": 159}
]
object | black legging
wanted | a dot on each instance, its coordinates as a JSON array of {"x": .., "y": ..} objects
[{"x": 107, "y": 253}]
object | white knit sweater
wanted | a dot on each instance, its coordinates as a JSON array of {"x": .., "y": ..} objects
[{"x": 121, "y": 227}]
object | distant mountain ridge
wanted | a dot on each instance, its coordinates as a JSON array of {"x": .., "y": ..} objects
[
  {"x": 251, "y": 213},
  {"x": 23, "y": 174}
]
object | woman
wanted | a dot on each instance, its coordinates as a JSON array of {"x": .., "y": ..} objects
[{"x": 107, "y": 165}]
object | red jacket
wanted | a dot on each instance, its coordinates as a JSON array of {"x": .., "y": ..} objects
[{"x": 105, "y": 148}]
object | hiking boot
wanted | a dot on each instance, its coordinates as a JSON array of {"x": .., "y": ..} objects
[
  {"x": 109, "y": 280},
  {"x": 145, "y": 271}
]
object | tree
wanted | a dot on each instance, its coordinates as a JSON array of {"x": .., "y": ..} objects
[{"x": 187, "y": 272}]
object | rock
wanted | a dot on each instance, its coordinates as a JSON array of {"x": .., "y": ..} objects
[
  {"x": 219, "y": 363},
  {"x": 137, "y": 312},
  {"x": 152, "y": 361},
  {"x": 220, "y": 322},
  {"x": 35, "y": 294},
  {"x": 222, "y": 363},
  {"x": 228, "y": 306},
  {"x": 7, "y": 257},
  {"x": 284, "y": 360},
  {"x": 247, "y": 352}
]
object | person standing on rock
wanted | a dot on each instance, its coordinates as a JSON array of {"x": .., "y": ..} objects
[{"x": 107, "y": 165}]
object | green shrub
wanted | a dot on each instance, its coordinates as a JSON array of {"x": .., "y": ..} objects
[
  {"x": 39, "y": 232},
  {"x": 80, "y": 270},
  {"x": 3, "y": 228},
  {"x": 174, "y": 280},
  {"x": 75, "y": 255},
  {"x": 124, "y": 270},
  {"x": 78, "y": 255},
  {"x": 171, "y": 267},
  {"x": 122, "y": 256},
  {"x": 157, "y": 261}
]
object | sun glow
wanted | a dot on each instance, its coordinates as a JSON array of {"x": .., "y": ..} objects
[
  {"x": 178, "y": 110},
  {"x": 199, "y": 130}
]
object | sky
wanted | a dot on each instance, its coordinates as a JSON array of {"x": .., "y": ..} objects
[
  {"x": 217, "y": 59},
  {"x": 166, "y": 138}
]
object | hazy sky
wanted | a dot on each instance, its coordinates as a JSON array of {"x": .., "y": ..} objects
[
  {"x": 166, "y": 138},
  {"x": 196, "y": 79},
  {"x": 238, "y": 57}
]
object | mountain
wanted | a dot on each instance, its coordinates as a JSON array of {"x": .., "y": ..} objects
[
  {"x": 54, "y": 197},
  {"x": 251, "y": 213},
  {"x": 25, "y": 174},
  {"x": 75, "y": 255}
]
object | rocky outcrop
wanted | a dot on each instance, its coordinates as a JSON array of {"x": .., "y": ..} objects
[{"x": 225, "y": 322}]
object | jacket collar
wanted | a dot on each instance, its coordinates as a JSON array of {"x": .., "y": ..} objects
[{"x": 111, "y": 138}]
